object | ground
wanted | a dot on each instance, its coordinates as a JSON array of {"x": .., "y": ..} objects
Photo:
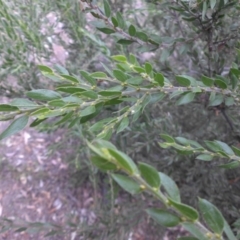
[{"x": 35, "y": 186}]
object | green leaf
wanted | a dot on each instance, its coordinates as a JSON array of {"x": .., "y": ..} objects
[
  {"x": 123, "y": 124},
  {"x": 212, "y": 216},
  {"x": 107, "y": 8},
  {"x": 150, "y": 175},
  {"x": 170, "y": 187},
  {"x": 87, "y": 111},
  {"x": 120, "y": 75},
  {"x": 103, "y": 164},
  {"x": 216, "y": 101},
  {"x": 71, "y": 89},
  {"x": 107, "y": 93},
  {"x": 37, "y": 122},
  {"x": 16, "y": 126},
  {"x": 230, "y": 165},
  {"x": 7, "y": 108},
  {"x": 132, "y": 30},
  {"x": 220, "y": 83},
  {"x": 86, "y": 75},
  {"x": 141, "y": 35},
  {"x": 167, "y": 138},
  {"x": 163, "y": 217},
  {"x": 126, "y": 183},
  {"x": 69, "y": 78},
  {"x": 135, "y": 80},
  {"x": 185, "y": 210},
  {"x": 204, "y": 157},
  {"x": 183, "y": 81},
  {"x": 225, "y": 147},
  {"x": 125, "y": 42},
  {"x": 229, "y": 101},
  {"x": 213, "y": 146},
  {"x": 194, "y": 230},
  {"x": 119, "y": 58},
  {"x": 23, "y": 103},
  {"x": 43, "y": 94},
  {"x": 120, "y": 20},
  {"x": 148, "y": 68},
  {"x": 61, "y": 69},
  {"x": 207, "y": 81},
  {"x": 228, "y": 231},
  {"x": 40, "y": 112},
  {"x": 159, "y": 78},
  {"x": 43, "y": 68},
  {"x": 99, "y": 75},
  {"x": 106, "y": 30},
  {"x": 236, "y": 150},
  {"x": 114, "y": 22},
  {"x": 186, "y": 98},
  {"x": 124, "y": 161}
]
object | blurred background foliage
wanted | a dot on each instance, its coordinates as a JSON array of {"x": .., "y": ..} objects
[{"x": 64, "y": 33}]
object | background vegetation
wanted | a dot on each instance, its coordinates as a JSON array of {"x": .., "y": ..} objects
[{"x": 187, "y": 38}]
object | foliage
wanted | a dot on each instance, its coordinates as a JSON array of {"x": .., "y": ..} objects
[{"x": 130, "y": 86}]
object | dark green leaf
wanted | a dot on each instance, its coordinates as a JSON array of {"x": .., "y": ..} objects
[
  {"x": 212, "y": 216},
  {"x": 103, "y": 164},
  {"x": 132, "y": 30},
  {"x": 126, "y": 183},
  {"x": 7, "y": 108},
  {"x": 107, "y": 8},
  {"x": 125, "y": 41},
  {"x": 141, "y": 35},
  {"x": 71, "y": 89},
  {"x": 124, "y": 161},
  {"x": 183, "y": 81},
  {"x": 148, "y": 68},
  {"x": 150, "y": 175},
  {"x": 106, "y": 30},
  {"x": 220, "y": 83},
  {"x": 99, "y": 75},
  {"x": 159, "y": 78},
  {"x": 109, "y": 93},
  {"x": 207, "y": 81},
  {"x": 37, "y": 122},
  {"x": 230, "y": 165},
  {"x": 163, "y": 217},
  {"x": 16, "y": 126},
  {"x": 185, "y": 210},
  {"x": 170, "y": 187},
  {"x": 43, "y": 94},
  {"x": 114, "y": 22}
]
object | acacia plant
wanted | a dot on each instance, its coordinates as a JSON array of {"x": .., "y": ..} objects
[{"x": 130, "y": 85}]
